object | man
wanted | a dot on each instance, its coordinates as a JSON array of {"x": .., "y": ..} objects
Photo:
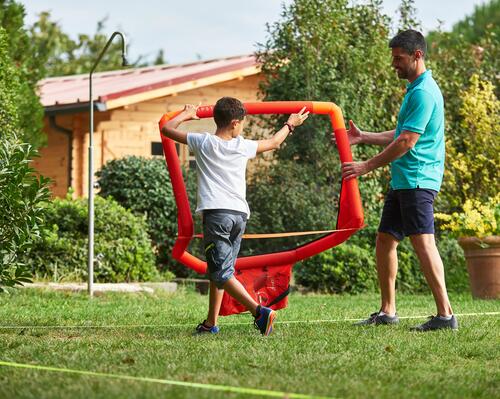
[{"x": 415, "y": 150}]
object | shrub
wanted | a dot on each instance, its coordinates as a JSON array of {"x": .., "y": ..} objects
[
  {"x": 454, "y": 264},
  {"x": 22, "y": 195},
  {"x": 344, "y": 269},
  {"x": 122, "y": 246},
  {"x": 143, "y": 186}
]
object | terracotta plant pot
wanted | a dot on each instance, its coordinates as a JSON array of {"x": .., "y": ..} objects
[{"x": 483, "y": 263}]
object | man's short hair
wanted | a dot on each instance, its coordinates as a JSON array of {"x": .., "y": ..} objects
[
  {"x": 226, "y": 109},
  {"x": 409, "y": 40}
]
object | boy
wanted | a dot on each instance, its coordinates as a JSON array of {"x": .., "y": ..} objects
[{"x": 221, "y": 161}]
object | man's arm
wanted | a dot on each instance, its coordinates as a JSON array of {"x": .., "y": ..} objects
[
  {"x": 405, "y": 142},
  {"x": 274, "y": 142},
  {"x": 170, "y": 128},
  {"x": 383, "y": 138},
  {"x": 358, "y": 136}
]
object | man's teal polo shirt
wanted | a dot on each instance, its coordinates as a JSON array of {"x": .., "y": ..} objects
[{"x": 422, "y": 112}]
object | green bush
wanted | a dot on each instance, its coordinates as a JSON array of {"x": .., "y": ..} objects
[
  {"x": 143, "y": 186},
  {"x": 454, "y": 264},
  {"x": 343, "y": 269},
  {"x": 22, "y": 195},
  {"x": 350, "y": 268},
  {"x": 21, "y": 192},
  {"x": 122, "y": 246}
]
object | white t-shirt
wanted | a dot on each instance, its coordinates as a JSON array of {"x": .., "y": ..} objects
[{"x": 221, "y": 167}]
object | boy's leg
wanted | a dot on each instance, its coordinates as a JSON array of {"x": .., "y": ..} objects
[
  {"x": 215, "y": 300},
  {"x": 234, "y": 288}
]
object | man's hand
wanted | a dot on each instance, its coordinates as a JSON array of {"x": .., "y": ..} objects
[
  {"x": 353, "y": 134},
  {"x": 189, "y": 111},
  {"x": 297, "y": 119},
  {"x": 350, "y": 170}
]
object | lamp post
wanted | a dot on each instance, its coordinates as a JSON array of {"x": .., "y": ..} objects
[{"x": 91, "y": 160}]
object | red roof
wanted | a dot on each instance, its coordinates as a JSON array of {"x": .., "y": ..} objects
[{"x": 71, "y": 91}]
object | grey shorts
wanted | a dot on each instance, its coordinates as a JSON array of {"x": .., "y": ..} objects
[{"x": 222, "y": 233}]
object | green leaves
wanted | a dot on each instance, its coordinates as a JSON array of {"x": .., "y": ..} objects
[
  {"x": 22, "y": 196},
  {"x": 122, "y": 245},
  {"x": 143, "y": 186}
]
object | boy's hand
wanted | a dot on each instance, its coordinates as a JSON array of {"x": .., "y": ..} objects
[
  {"x": 297, "y": 119},
  {"x": 190, "y": 111}
]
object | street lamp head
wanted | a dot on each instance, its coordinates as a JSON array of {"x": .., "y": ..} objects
[{"x": 124, "y": 60}]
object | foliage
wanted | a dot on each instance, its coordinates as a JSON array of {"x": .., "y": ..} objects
[
  {"x": 277, "y": 205},
  {"x": 473, "y": 171},
  {"x": 143, "y": 186},
  {"x": 20, "y": 109},
  {"x": 122, "y": 246},
  {"x": 319, "y": 51},
  {"x": 477, "y": 219},
  {"x": 344, "y": 269},
  {"x": 22, "y": 195},
  {"x": 63, "y": 55},
  {"x": 21, "y": 192},
  {"x": 486, "y": 17},
  {"x": 468, "y": 77},
  {"x": 457, "y": 279}
]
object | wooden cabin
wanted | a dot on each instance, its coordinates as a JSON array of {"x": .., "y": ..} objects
[{"x": 128, "y": 105}]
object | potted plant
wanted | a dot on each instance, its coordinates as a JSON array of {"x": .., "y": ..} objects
[{"x": 477, "y": 229}]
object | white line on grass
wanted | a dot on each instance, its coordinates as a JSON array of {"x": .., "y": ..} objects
[
  {"x": 224, "y": 324},
  {"x": 213, "y": 387}
]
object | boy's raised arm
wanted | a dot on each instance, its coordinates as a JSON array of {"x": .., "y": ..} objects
[
  {"x": 274, "y": 142},
  {"x": 170, "y": 128}
]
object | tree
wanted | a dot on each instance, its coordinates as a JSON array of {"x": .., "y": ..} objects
[
  {"x": 485, "y": 18},
  {"x": 22, "y": 194},
  {"x": 62, "y": 55},
  {"x": 324, "y": 50},
  {"x": 454, "y": 61},
  {"x": 20, "y": 70}
]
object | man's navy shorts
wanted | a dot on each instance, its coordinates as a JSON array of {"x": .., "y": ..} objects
[{"x": 408, "y": 212}]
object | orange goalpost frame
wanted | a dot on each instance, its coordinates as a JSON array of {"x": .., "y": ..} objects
[{"x": 350, "y": 214}]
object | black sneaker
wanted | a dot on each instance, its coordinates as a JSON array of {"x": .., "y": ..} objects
[
  {"x": 378, "y": 319},
  {"x": 436, "y": 323}
]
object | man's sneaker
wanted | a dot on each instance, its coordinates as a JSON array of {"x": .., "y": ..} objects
[
  {"x": 378, "y": 318},
  {"x": 203, "y": 329},
  {"x": 437, "y": 323},
  {"x": 264, "y": 320}
]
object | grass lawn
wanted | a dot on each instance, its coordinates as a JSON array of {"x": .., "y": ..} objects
[{"x": 150, "y": 336}]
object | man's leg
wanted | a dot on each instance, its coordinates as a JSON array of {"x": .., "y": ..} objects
[
  {"x": 432, "y": 267},
  {"x": 387, "y": 268}
]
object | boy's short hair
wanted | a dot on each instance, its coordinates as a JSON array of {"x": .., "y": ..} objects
[
  {"x": 409, "y": 40},
  {"x": 226, "y": 109}
]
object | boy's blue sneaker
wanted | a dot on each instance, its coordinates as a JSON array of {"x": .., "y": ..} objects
[
  {"x": 264, "y": 320},
  {"x": 203, "y": 329}
]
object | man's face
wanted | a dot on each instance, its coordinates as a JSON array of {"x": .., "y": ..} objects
[{"x": 404, "y": 63}]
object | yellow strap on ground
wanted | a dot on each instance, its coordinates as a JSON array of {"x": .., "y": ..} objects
[{"x": 186, "y": 384}]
